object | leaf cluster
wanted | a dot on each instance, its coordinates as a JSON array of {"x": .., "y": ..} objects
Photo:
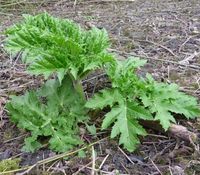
[
  {"x": 133, "y": 98},
  {"x": 53, "y": 111},
  {"x": 51, "y": 45}
]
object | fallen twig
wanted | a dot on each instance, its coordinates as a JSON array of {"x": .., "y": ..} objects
[
  {"x": 159, "y": 45},
  {"x": 176, "y": 131}
]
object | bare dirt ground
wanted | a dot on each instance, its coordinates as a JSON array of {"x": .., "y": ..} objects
[{"x": 165, "y": 32}]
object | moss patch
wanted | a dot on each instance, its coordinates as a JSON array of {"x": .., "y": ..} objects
[{"x": 9, "y": 164}]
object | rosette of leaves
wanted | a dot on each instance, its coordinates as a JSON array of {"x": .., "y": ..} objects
[{"x": 133, "y": 98}]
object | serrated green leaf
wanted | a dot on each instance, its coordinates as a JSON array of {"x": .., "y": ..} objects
[
  {"x": 54, "y": 111},
  {"x": 165, "y": 118},
  {"x": 31, "y": 144},
  {"x": 92, "y": 129},
  {"x": 61, "y": 142},
  {"x": 165, "y": 99},
  {"x": 123, "y": 115},
  {"x": 125, "y": 124},
  {"x": 139, "y": 111},
  {"x": 61, "y": 73},
  {"x": 103, "y": 99},
  {"x": 51, "y": 44},
  {"x": 110, "y": 117}
]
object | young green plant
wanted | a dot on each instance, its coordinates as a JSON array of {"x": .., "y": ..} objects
[{"x": 52, "y": 46}]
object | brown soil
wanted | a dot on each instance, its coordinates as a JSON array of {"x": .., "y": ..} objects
[{"x": 165, "y": 32}]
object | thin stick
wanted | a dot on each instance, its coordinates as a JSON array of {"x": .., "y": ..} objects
[
  {"x": 15, "y": 138},
  {"x": 180, "y": 48},
  {"x": 159, "y": 45},
  {"x": 103, "y": 161},
  {"x": 101, "y": 171},
  {"x": 126, "y": 155},
  {"x": 83, "y": 167},
  {"x": 52, "y": 165},
  {"x": 155, "y": 166},
  {"x": 93, "y": 161},
  {"x": 75, "y": 2},
  {"x": 170, "y": 171},
  {"x": 28, "y": 170}
]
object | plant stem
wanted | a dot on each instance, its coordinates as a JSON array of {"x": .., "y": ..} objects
[{"x": 79, "y": 88}]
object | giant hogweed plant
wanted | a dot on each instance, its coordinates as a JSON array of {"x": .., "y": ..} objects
[{"x": 58, "y": 47}]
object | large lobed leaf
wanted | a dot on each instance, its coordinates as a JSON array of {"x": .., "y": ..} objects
[
  {"x": 132, "y": 98},
  {"x": 161, "y": 99},
  {"x": 124, "y": 116},
  {"x": 53, "y": 111},
  {"x": 165, "y": 99}
]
